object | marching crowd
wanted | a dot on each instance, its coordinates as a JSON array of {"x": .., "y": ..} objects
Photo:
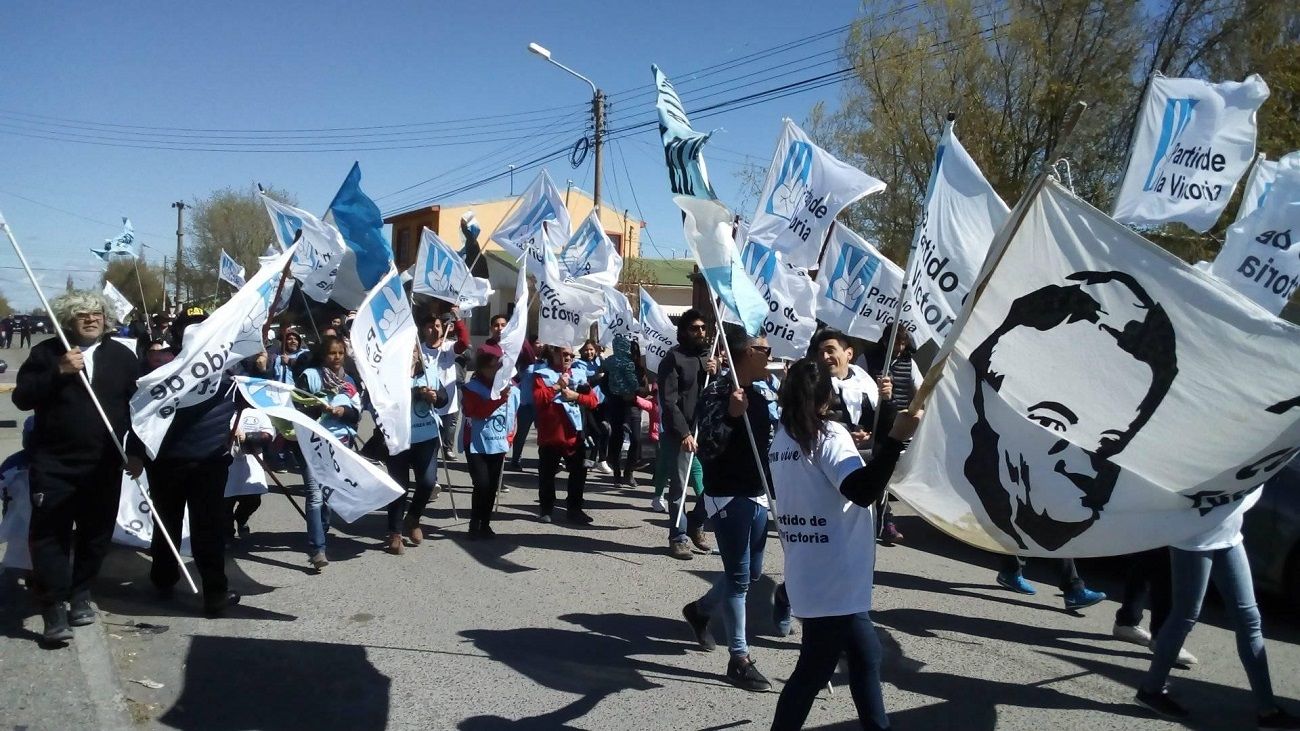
[{"x": 808, "y": 447}]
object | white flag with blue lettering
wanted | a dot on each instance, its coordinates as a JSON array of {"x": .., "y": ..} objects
[
  {"x": 1193, "y": 143},
  {"x": 567, "y": 306},
  {"x": 124, "y": 244},
  {"x": 512, "y": 337},
  {"x": 658, "y": 334},
  {"x": 1258, "y": 257},
  {"x": 618, "y": 318},
  {"x": 320, "y": 248},
  {"x": 383, "y": 339},
  {"x": 857, "y": 287},
  {"x": 440, "y": 272},
  {"x": 1260, "y": 181},
  {"x": 790, "y": 297},
  {"x": 806, "y": 189},
  {"x": 122, "y": 306},
  {"x": 230, "y": 271},
  {"x": 590, "y": 253},
  {"x": 540, "y": 202}
]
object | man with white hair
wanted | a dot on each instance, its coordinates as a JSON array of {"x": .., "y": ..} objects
[{"x": 76, "y": 470}]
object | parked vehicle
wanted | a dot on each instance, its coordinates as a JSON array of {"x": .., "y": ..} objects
[{"x": 1272, "y": 533}]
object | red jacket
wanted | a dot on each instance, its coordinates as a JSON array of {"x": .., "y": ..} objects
[
  {"x": 554, "y": 427},
  {"x": 462, "y": 335}
]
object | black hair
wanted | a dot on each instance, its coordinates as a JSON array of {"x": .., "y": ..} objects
[
  {"x": 829, "y": 333},
  {"x": 323, "y": 348},
  {"x": 737, "y": 338},
  {"x": 684, "y": 322},
  {"x": 804, "y": 396},
  {"x": 498, "y": 316}
]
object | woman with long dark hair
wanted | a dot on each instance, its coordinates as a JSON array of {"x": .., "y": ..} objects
[{"x": 826, "y": 518}]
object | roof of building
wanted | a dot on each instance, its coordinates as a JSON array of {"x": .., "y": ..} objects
[
  {"x": 662, "y": 272},
  {"x": 421, "y": 209}
]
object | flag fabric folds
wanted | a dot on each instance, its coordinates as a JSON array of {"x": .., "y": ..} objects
[
  {"x": 320, "y": 247},
  {"x": 1258, "y": 255},
  {"x": 441, "y": 273},
  {"x": 1193, "y": 142},
  {"x": 383, "y": 339},
  {"x": 857, "y": 287},
  {"x": 708, "y": 229},
  {"x": 368, "y": 255},
  {"x": 1090, "y": 357},
  {"x": 512, "y": 337},
  {"x": 618, "y": 319},
  {"x": 1260, "y": 181},
  {"x": 122, "y": 306},
  {"x": 591, "y": 254},
  {"x": 123, "y": 244},
  {"x": 790, "y": 296},
  {"x": 230, "y": 271},
  {"x": 567, "y": 306},
  {"x": 233, "y": 332},
  {"x": 806, "y": 188},
  {"x": 658, "y": 334},
  {"x": 687, "y": 173},
  {"x": 540, "y": 202}
]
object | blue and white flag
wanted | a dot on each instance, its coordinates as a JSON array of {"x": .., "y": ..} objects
[
  {"x": 683, "y": 146},
  {"x": 440, "y": 272},
  {"x": 123, "y": 245},
  {"x": 320, "y": 247},
  {"x": 1258, "y": 257},
  {"x": 353, "y": 485},
  {"x": 1194, "y": 140},
  {"x": 857, "y": 287},
  {"x": 806, "y": 189},
  {"x": 1260, "y": 181},
  {"x": 469, "y": 228},
  {"x": 233, "y": 332},
  {"x": 619, "y": 318},
  {"x": 512, "y": 337},
  {"x": 591, "y": 254},
  {"x": 122, "y": 306},
  {"x": 567, "y": 306},
  {"x": 383, "y": 339},
  {"x": 708, "y": 227},
  {"x": 658, "y": 334},
  {"x": 230, "y": 271},
  {"x": 540, "y": 202},
  {"x": 369, "y": 255},
  {"x": 790, "y": 296}
]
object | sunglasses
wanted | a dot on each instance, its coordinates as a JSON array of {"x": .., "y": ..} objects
[
  {"x": 766, "y": 350},
  {"x": 699, "y": 327}
]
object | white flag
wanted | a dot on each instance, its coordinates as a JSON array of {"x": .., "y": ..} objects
[
  {"x": 962, "y": 214},
  {"x": 123, "y": 245},
  {"x": 540, "y": 202},
  {"x": 512, "y": 337},
  {"x": 618, "y": 318},
  {"x": 383, "y": 339},
  {"x": 352, "y": 485},
  {"x": 440, "y": 272},
  {"x": 134, "y": 525},
  {"x": 857, "y": 287},
  {"x": 1193, "y": 143},
  {"x": 591, "y": 254},
  {"x": 806, "y": 189},
  {"x": 1081, "y": 412},
  {"x": 231, "y": 271},
  {"x": 233, "y": 332},
  {"x": 658, "y": 334},
  {"x": 567, "y": 306},
  {"x": 1261, "y": 179},
  {"x": 320, "y": 249},
  {"x": 1258, "y": 257},
  {"x": 790, "y": 297},
  {"x": 122, "y": 306}
]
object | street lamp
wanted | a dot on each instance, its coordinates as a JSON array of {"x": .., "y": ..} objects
[{"x": 597, "y": 110}]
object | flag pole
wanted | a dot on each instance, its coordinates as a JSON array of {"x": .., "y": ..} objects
[
  {"x": 283, "y": 490},
  {"x": 144, "y": 306},
  {"x": 749, "y": 429},
  {"x": 685, "y": 477},
  {"x": 85, "y": 382}
]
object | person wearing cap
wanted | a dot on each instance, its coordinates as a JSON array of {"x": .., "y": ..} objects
[
  {"x": 76, "y": 468},
  {"x": 491, "y": 428}
]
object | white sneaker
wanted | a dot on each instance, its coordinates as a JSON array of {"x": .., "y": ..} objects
[
  {"x": 1185, "y": 659},
  {"x": 1136, "y": 634},
  {"x": 658, "y": 505},
  {"x": 604, "y": 468}
]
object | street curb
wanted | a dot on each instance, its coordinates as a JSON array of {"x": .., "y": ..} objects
[
  {"x": 6, "y": 387},
  {"x": 101, "y": 677}
]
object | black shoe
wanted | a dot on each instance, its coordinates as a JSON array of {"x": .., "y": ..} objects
[
  {"x": 699, "y": 626},
  {"x": 514, "y": 465},
  {"x": 56, "y": 625},
  {"x": 217, "y": 606},
  {"x": 1161, "y": 703},
  {"x": 1278, "y": 719},
  {"x": 742, "y": 673},
  {"x": 579, "y": 517},
  {"x": 486, "y": 533},
  {"x": 781, "y": 616},
  {"x": 81, "y": 613},
  {"x": 474, "y": 531},
  {"x": 244, "y": 530},
  {"x": 164, "y": 593}
]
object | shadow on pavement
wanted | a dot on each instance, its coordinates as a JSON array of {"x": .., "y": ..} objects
[
  {"x": 15, "y": 608},
  {"x": 123, "y": 588},
  {"x": 603, "y": 657},
  {"x": 234, "y": 683}
]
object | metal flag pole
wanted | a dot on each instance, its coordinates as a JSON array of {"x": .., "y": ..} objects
[
  {"x": 283, "y": 490},
  {"x": 144, "y": 306},
  {"x": 749, "y": 429},
  {"x": 85, "y": 382}
]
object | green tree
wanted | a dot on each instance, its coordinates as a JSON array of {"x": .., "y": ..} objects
[
  {"x": 6, "y": 309},
  {"x": 130, "y": 279},
  {"x": 233, "y": 220}
]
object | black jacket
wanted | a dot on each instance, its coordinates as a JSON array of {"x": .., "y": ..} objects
[
  {"x": 69, "y": 435},
  {"x": 681, "y": 380},
  {"x": 726, "y": 456},
  {"x": 839, "y": 412},
  {"x": 202, "y": 432}
]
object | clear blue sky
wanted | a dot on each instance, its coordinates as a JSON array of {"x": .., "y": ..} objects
[{"x": 246, "y": 67}]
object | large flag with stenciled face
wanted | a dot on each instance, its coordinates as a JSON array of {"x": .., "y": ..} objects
[{"x": 1082, "y": 410}]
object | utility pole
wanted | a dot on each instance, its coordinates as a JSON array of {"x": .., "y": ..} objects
[
  {"x": 598, "y": 110},
  {"x": 512, "y": 181},
  {"x": 180, "y": 242}
]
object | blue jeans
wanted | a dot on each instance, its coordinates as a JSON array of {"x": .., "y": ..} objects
[
  {"x": 824, "y": 640},
  {"x": 318, "y": 513},
  {"x": 741, "y": 531},
  {"x": 1192, "y": 571}
]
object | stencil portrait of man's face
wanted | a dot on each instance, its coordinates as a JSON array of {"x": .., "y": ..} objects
[{"x": 1048, "y": 421}]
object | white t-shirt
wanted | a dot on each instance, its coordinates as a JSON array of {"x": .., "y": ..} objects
[
  {"x": 1227, "y": 533},
  {"x": 829, "y": 542},
  {"x": 442, "y": 360},
  {"x": 88, "y": 359}
]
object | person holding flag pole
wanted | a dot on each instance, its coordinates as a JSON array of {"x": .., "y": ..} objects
[{"x": 85, "y": 497}]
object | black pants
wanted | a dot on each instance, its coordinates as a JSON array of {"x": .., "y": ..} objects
[
  {"x": 575, "y": 463},
  {"x": 64, "y": 562},
  {"x": 596, "y": 427},
  {"x": 1148, "y": 575},
  {"x": 200, "y": 485},
  {"x": 1068, "y": 574},
  {"x": 523, "y": 424},
  {"x": 242, "y": 507},
  {"x": 25, "y": 340},
  {"x": 624, "y": 420},
  {"x": 485, "y": 474},
  {"x": 824, "y": 640}
]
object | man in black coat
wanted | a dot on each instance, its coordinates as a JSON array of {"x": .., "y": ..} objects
[
  {"x": 681, "y": 376},
  {"x": 76, "y": 470}
]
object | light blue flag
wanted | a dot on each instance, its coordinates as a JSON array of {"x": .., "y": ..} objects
[
  {"x": 123, "y": 245},
  {"x": 230, "y": 270},
  {"x": 683, "y": 146},
  {"x": 369, "y": 254},
  {"x": 708, "y": 229}
]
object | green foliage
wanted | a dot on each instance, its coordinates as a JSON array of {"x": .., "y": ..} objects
[
  {"x": 231, "y": 219},
  {"x": 130, "y": 278}
]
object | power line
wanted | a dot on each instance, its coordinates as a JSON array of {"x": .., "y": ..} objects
[{"x": 632, "y": 187}]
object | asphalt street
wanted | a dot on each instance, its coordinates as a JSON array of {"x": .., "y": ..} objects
[{"x": 552, "y": 626}]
